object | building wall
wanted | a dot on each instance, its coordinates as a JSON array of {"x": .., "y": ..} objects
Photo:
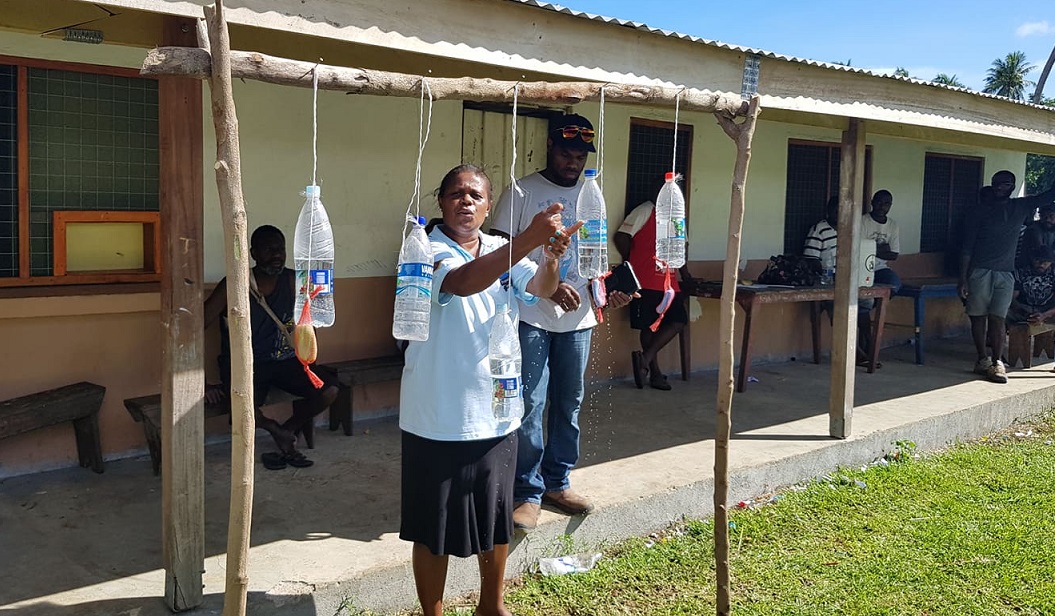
[{"x": 366, "y": 169}]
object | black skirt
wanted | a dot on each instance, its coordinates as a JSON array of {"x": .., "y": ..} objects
[{"x": 457, "y": 496}]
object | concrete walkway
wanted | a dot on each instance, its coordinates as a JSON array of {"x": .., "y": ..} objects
[{"x": 77, "y": 543}]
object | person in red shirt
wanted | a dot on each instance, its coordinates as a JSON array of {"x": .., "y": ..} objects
[{"x": 636, "y": 242}]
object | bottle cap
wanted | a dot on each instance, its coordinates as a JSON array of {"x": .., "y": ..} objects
[
  {"x": 668, "y": 176},
  {"x": 312, "y": 191},
  {"x": 591, "y": 173},
  {"x": 421, "y": 221}
]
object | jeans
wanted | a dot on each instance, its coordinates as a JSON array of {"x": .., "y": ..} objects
[
  {"x": 882, "y": 276},
  {"x": 553, "y": 368}
]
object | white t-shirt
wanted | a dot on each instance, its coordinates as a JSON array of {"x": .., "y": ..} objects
[
  {"x": 881, "y": 233},
  {"x": 445, "y": 394},
  {"x": 539, "y": 193},
  {"x": 637, "y": 218}
]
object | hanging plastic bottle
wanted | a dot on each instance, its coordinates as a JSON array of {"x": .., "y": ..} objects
[
  {"x": 410, "y": 320},
  {"x": 313, "y": 261},
  {"x": 503, "y": 354},
  {"x": 593, "y": 235},
  {"x": 670, "y": 224}
]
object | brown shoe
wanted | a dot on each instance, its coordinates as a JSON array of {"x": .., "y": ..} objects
[
  {"x": 568, "y": 501},
  {"x": 525, "y": 516}
]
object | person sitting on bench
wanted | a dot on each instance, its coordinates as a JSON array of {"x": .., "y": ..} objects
[
  {"x": 1033, "y": 300},
  {"x": 273, "y": 292}
]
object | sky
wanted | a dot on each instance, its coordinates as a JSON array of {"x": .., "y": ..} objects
[{"x": 927, "y": 37}]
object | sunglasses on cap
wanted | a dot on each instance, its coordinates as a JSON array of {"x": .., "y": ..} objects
[{"x": 570, "y": 132}]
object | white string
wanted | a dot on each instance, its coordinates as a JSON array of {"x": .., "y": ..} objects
[
  {"x": 677, "y": 108},
  {"x": 424, "y": 127},
  {"x": 600, "y": 144},
  {"x": 314, "y": 123},
  {"x": 517, "y": 190}
]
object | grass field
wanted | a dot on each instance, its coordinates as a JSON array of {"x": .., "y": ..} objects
[{"x": 965, "y": 531}]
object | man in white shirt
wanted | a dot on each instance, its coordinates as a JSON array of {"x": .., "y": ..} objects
[
  {"x": 554, "y": 333},
  {"x": 877, "y": 225}
]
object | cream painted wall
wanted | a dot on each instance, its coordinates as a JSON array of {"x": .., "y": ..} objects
[{"x": 367, "y": 154}]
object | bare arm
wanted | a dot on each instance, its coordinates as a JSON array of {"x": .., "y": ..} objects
[
  {"x": 480, "y": 273},
  {"x": 623, "y": 242},
  {"x": 216, "y": 304}
]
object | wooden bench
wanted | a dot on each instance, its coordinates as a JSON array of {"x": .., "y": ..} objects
[
  {"x": 359, "y": 372},
  {"x": 147, "y": 411},
  {"x": 78, "y": 403},
  {"x": 1025, "y": 341}
]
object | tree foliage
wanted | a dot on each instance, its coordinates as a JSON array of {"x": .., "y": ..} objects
[
  {"x": 948, "y": 80},
  {"x": 901, "y": 71},
  {"x": 1040, "y": 173},
  {"x": 1007, "y": 76}
]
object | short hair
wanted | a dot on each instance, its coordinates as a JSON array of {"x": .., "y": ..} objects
[
  {"x": 265, "y": 231},
  {"x": 1004, "y": 172},
  {"x": 882, "y": 193},
  {"x": 445, "y": 183}
]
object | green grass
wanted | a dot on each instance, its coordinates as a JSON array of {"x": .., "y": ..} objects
[{"x": 969, "y": 530}]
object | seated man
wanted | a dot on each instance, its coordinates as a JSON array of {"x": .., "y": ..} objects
[
  {"x": 821, "y": 244},
  {"x": 1033, "y": 300},
  {"x": 636, "y": 242},
  {"x": 1040, "y": 232},
  {"x": 877, "y": 225},
  {"x": 274, "y": 361}
]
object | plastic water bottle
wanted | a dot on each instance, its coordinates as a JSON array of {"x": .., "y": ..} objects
[
  {"x": 827, "y": 267},
  {"x": 410, "y": 320},
  {"x": 593, "y": 235},
  {"x": 313, "y": 260},
  {"x": 503, "y": 354},
  {"x": 670, "y": 224}
]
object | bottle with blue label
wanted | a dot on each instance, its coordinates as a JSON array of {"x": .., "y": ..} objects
[
  {"x": 313, "y": 262},
  {"x": 670, "y": 223},
  {"x": 593, "y": 235},
  {"x": 410, "y": 320},
  {"x": 503, "y": 354}
]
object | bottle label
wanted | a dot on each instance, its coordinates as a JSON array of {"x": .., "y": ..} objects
[
  {"x": 321, "y": 282},
  {"x": 506, "y": 388},
  {"x": 594, "y": 232},
  {"x": 677, "y": 228},
  {"x": 415, "y": 270}
]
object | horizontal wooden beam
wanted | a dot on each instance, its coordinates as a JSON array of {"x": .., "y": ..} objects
[{"x": 195, "y": 62}]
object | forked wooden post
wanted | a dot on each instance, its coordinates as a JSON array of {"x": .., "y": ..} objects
[
  {"x": 847, "y": 266},
  {"x": 232, "y": 206},
  {"x": 741, "y": 134}
]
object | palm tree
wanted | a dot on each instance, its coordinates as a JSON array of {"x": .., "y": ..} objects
[
  {"x": 1007, "y": 77},
  {"x": 901, "y": 71},
  {"x": 948, "y": 80},
  {"x": 1038, "y": 95}
]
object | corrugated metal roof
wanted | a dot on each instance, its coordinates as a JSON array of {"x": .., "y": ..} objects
[{"x": 625, "y": 23}]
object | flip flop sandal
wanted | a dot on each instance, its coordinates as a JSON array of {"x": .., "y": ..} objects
[
  {"x": 297, "y": 460},
  {"x": 639, "y": 377},
  {"x": 273, "y": 461}
]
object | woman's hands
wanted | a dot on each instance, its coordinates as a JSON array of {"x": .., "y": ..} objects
[{"x": 547, "y": 230}]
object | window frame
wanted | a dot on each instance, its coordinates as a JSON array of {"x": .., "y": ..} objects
[
  {"x": 950, "y": 227},
  {"x": 686, "y": 181},
  {"x": 24, "y": 278}
]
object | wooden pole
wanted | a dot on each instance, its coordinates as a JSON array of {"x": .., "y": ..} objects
[
  {"x": 741, "y": 134},
  {"x": 847, "y": 266},
  {"x": 193, "y": 62},
  {"x": 183, "y": 374},
  {"x": 232, "y": 207}
]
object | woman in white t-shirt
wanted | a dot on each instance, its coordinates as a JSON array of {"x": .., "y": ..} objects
[{"x": 458, "y": 459}]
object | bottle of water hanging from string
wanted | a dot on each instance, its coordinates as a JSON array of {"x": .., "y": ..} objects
[
  {"x": 410, "y": 321},
  {"x": 313, "y": 261},
  {"x": 670, "y": 223},
  {"x": 503, "y": 354},
  {"x": 593, "y": 235}
]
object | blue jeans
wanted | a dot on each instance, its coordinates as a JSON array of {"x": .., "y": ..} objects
[
  {"x": 882, "y": 276},
  {"x": 554, "y": 364}
]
